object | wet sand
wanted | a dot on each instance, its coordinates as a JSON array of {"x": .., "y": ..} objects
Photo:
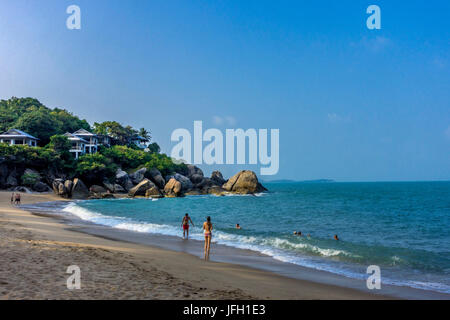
[{"x": 36, "y": 250}]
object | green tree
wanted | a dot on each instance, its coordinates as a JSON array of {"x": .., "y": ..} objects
[
  {"x": 33, "y": 117},
  {"x": 120, "y": 134},
  {"x": 29, "y": 179},
  {"x": 154, "y": 148},
  {"x": 144, "y": 133},
  {"x": 125, "y": 157},
  {"x": 39, "y": 123},
  {"x": 12, "y": 109},
  {"x": 94, "y": 168},
  {"x": 59, "y": 143},
  {"x": 69, "y": 122},
  {"x": 165, "y": 164}
]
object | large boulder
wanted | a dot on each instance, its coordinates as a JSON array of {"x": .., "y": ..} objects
[
  {"x": 68, "y": 184},
  {"x": 193, "y": 170},
  {"x": 173, "y": 188},
  {"x": 3, "y": 175},
  {"x": 157, "y": 178},
  {"x": 186, "y": 183},
  {"x": 41, "y": 187},
  {"x": 209, "y": 186},
  {"x": 97, "y": 189},
  {"x": 124, "y": 180},
  {"x": 216, "y": 190},
  {"x": 119, "y": 189},
  {"x": 22, "y": 189},
  {"x": 217, "y": 178},
  {"x": 55, "y": 185},
  {"x": 244, "y": 182},
  {"x": 52, "y": 174},
  {"x": 204, "y": 184},
  {"x": 138, "y": 176},
  {"x": 108, "y": 185},
  {"x": 11, "y": 179},
  {"x": 153, "y": 192},
  {"x": 196, "y": 178},
  {"x": 141, "y": 188},
  {"x": 93, "y": 196},
  {"x": 193, "y": 192},
  {"x": 63, "y": 191},
  {"x": 79, "y": 190}
]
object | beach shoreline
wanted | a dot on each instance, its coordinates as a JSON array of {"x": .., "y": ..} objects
[{"x": 41, "y": 248}]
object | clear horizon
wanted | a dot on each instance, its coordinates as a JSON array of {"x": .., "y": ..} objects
[{"x": 352, "y": 104}]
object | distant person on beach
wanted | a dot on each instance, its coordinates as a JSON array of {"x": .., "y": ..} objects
[
  {"x": 185, "y": 225},
  {"x": 297, "y": 233},
  {"x": 207, "y": 229},
  {"x": 17, "y": 198},
  {"x": 336, "y": 237},
  {"x": 12, "y": 198},
  {"x": 238, "y": 226}
]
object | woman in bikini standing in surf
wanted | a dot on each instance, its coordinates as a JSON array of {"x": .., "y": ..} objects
[{"x": 207, "y": 229}]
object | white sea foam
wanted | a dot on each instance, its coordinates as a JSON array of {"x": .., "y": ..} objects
[{"x": 119, "y": 222}]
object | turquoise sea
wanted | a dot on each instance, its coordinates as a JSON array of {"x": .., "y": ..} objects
[{"x": 403, "y": 227}]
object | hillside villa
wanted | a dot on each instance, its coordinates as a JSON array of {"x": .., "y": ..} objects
[
  {"x": 83, "y": 141},
  {"x": 14, "y": 136},
  {"x": 91, "y": 145},
  {"x": 141, "y": 142},
  {"x": 78, "y": 144}
]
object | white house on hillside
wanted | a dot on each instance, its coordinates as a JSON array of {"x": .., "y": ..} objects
[
  {"x": 104, "y": 140},
  {"x": 78, "y": 144},
  {"x": 82, "y": 141},
  {"x": 91, "y": 138},
  {"x": 14, "y": 136},
  {"x": 141, "y": 142}
]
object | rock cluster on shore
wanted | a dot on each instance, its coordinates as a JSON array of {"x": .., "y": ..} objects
[{"x": 140, "y": 183}]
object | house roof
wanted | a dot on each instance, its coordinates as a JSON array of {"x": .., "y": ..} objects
[
  {"x": 83, "y": 132},
  {"x": 15, "y": 133},
  {"x": 73, "y": 137},
  {"x": 140, "y": 138}
]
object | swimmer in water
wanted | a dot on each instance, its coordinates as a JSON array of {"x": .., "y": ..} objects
[{"x": 185, "y": 225}]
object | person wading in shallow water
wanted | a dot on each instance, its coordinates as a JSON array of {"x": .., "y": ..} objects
[
  {"x": 185, "y": 225},
  {"x": 207, "y": 229}
]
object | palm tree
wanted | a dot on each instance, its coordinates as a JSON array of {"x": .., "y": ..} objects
[{"x": 144, "y": 133}]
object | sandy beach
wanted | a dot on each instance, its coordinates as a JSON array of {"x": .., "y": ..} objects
[{"x": 36, "y": 251}]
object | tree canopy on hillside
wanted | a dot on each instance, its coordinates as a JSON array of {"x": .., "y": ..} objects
[
  {"x": 122, "y": 135},
  {"x": 31, "y": 116}
]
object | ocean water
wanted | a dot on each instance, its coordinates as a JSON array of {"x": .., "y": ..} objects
[{"x": 403, "y": 227}]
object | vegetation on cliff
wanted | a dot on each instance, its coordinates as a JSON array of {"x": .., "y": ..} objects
[{"x": 53, "y": 157}]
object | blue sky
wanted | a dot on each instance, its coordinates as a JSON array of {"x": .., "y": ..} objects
[{"x": 351, "y": 104}]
